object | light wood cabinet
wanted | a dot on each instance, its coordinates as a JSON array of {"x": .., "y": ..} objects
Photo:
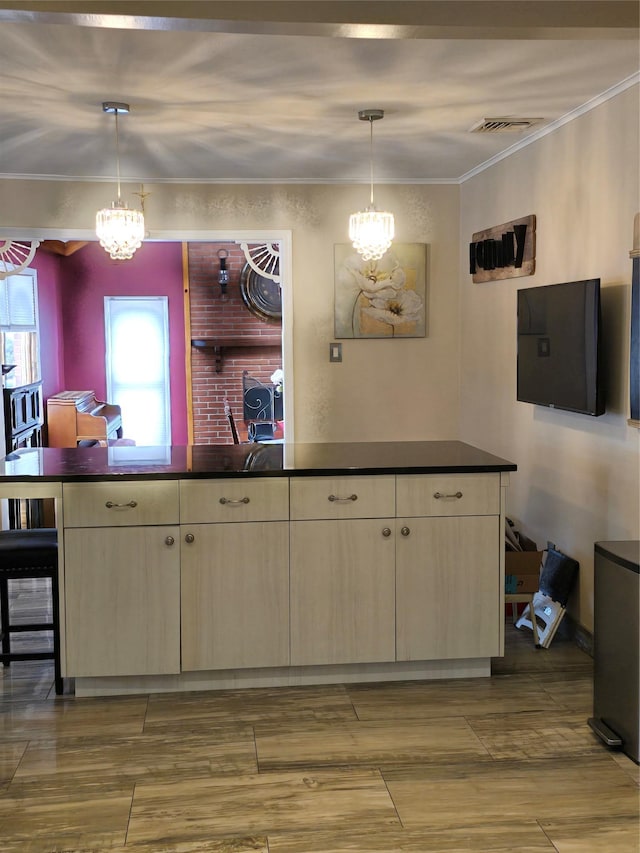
[
  {"x": 235, "y": 573},
  {"x": 342, "y": 592},
  {"x": 448, "y": 579},
  {"x": 229, "y": 574},
  {"x": 447, "y": 587},
  {"x": 342, "y": 570},
  {"x": 122, "y": 578},
  {"x": 235, "y": 595},
  {"x": 131, "y": 503},
  {"x": 122, "y": 594}
]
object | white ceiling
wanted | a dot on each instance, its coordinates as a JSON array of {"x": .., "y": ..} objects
[{"x": 275, "y": 97}]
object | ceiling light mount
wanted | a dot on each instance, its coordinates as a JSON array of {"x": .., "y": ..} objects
[
  {"x": 116, "y": 107},
  {"x": 371, "y": 231},
  {"x": 119, "y": 228},
  {"x": 370, "y": 115}
]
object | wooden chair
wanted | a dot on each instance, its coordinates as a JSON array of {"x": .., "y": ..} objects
[{"x": 26, "y": 554}]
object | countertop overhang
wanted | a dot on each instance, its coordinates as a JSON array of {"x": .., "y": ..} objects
[{"x": 254, "y": 460}]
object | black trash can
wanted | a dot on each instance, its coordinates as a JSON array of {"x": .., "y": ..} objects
[{"x": 616, "y": 640}]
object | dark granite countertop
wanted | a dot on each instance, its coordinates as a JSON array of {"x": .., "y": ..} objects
[{"x": 269, "y": 459}]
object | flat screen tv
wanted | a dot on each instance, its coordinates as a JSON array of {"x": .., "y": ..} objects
[{"x": 559, "y": 346}]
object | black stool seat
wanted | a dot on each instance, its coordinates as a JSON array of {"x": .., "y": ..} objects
[{"x": 24, "y": 554}]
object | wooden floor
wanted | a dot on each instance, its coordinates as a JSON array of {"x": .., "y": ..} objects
[{"x": 500, "y": 764}]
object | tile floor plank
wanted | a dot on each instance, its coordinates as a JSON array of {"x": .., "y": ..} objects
[
  {"x": 11, "y": 754},
  {"x": 619, "y": 834},
  {"x": 425, "y": 699},
  {"x": 524, "y": 836},
  {"x": 43, "y": 825},
  {"x": 209, "y": 808},
  {"x": 145, "y": 757},
  {"x": 367, "y": 744},
  {"x": 68, "y": 716},
  {"x": 248, "y": 706},
  {"x": 224, "y": 845},
  {"x": 445, "y": 796},
  {"x": 535, "y": 734}
]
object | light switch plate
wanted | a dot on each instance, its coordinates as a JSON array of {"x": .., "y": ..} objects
[{"x": 335, "y": 352}]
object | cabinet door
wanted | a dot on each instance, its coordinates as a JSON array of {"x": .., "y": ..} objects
[
  {"x": 122, "y": 593},
  {"x": 235, "y": 595},
  {"x": 448, "y": 596},
  {"x": 342, "y": 591}
]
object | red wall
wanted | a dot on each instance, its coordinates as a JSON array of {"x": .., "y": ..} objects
[
  {"x": 50, "y": 318},
  {"x": 211, "y": 317},
  {"x": 88, "y": 276},
  {"x": 71, "y": 293}
]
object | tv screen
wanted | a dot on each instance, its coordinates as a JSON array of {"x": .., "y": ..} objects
[{"x": 559, "y": 346}]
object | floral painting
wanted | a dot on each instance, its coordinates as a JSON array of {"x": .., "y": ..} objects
[{"x": 384, "y": 298}]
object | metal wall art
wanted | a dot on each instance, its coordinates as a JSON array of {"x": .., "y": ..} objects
[{"x": 504, "y": 251}]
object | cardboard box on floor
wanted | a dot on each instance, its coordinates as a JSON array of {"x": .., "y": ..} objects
[{"x": 522, "y": 571}]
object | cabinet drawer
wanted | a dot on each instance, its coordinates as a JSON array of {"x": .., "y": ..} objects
[
  {"x": 258, "y": 499},
  {"x": 448, "y": 494},
  {"x": 121, "y": 504},
  {"x": 342, "y": 497}
]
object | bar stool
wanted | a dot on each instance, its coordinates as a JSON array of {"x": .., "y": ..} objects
[{"x": 26, "y": 554}]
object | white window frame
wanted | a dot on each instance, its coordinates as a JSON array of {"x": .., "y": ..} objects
[{"x": 113, "y": 387}]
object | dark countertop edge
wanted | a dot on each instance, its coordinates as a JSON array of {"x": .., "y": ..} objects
[{"x": 284, "y": 472}]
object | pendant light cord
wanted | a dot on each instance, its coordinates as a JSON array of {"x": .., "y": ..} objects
[
  {"x": 117, "y": 154},
  {"x": 371, "y": 156}
]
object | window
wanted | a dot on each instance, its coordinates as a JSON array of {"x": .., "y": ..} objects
[
  {"x": 137, "y": 368},
  {"x": 19, "y": 341}
]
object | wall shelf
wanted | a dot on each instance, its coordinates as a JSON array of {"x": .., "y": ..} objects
[{"x": 219, "y": 345}]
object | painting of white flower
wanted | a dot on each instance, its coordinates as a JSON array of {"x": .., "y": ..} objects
[{"x": 381, "y": 299}]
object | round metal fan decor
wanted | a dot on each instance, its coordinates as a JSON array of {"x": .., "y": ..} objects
[
  {"x": 15, "y": 255},
  {"x": 264, "y": 259},
  {"x": 260, "y": 294}
]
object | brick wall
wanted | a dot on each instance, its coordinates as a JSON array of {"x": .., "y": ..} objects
[{"x": 213, "y": 317}]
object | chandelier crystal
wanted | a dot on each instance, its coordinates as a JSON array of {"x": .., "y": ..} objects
[
  {"x": 370, "y": 230},
  {"x": 120, "y": 229}
]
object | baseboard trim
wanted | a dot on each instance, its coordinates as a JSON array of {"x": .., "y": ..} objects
[
  {"x": 571, "y": 629},
  {"x": 282, "y": 677}
]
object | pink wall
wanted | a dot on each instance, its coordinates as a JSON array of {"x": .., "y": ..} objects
[
  {"x": 87, "y": 277},
  {"x": 50, "y": 317}
]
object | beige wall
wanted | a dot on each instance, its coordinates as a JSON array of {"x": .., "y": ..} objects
[
  {"x": 578, "y": 477},
  {"x": 383, "y": 389}
]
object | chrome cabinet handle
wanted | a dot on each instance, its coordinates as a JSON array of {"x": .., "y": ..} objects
[
  {"x": 112, "y": 505},
  {"x": 438, "y": 495},
  {"x": 169, "y": 540},
  {"x": 333, "y": 498},
  {"x": 234, "y": 503},
  {"x": 386, "y": 532},
  {"x": 405, "y": 531},
  {"x": 189, "y": 538}
]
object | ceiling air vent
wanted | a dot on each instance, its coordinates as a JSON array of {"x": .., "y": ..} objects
[{"x": 504, "y": 125}]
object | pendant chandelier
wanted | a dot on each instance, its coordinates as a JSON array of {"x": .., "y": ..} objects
[
  {"x": 370, "y": 230},
  {"x": 119, "y": 229}
]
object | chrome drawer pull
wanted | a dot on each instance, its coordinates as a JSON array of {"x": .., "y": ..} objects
[
  {"x": 189, "y": 538},
  {"x": 333, "y": 498},
  {"x": 386, "y": 532},
  {"x": 112, "y": 505},
  {"x": 438, "y": 495},
  {"x": 234, "y": 503}
]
